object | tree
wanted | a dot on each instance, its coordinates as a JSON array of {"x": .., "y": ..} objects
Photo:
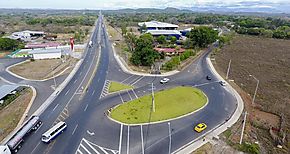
[
  {"x": 161, "y": 39},
  {"x": 202, "y": 36},
  {"x": 143, "y": 28},
  {"x": 173, "y": 39},
  {"x": 144, "y": 53},
  {"x": 130, "y": 39},
  {"x": 9, "y": 44},
  {"x": 124, "y": 29}
]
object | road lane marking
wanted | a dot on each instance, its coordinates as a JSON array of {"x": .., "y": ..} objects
[
  {"x": 93, "y": 92},
  {"x": 55, "y": 107},
  {"x": 92, "y": 146},
  {"x": 38, "y": 128},
  {"x": 81, "y": 73},
  {"x": 127, "y": 78},
  {"x": 134, "y": 93},
  {"x": 121, "y": 98},
  {"x": 75, "y": 80},
  {"x": 129, "y": 94},
  {"x": 35, "y": 147},
  {"x": 85, "y": 149},
  {"x": 120, "y": 139},
  {"x": 128, "y": 140},
  {"x": 142, "y": 142},
  {"x": 75, "y": 129},
  {"x": 137, "y": 80},
  {"x": 86, "y": 107},
  {"x": 67, "y": 92},
  {"x": 79, "y": 151}
]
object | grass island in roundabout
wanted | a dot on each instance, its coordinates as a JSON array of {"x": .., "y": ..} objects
[{"x": 169, "y": 104}]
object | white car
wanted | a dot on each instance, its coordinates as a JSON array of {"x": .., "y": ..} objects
[
  {"x": 223, "y": 83},
  {"x": 164, "y": 80}
]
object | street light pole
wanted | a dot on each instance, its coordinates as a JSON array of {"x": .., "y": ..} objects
[
  {"x": 228, "y": 71},
  {"x": 169, "y": 131},
  {"x": 258, "y": 81},
  {"x": 153, "y": 101}
]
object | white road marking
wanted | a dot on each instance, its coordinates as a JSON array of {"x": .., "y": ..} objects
[
  {"x": 127, "y": 78},
  {"x": 81, "y": 73},
  {"x": 75, "y": 129},
  {"x": 142, "y": 142},
  {"x": 91, "y": 146},
  {"x": 79, "y": 151},
  {"x": 120, "y": 141},
  {"x": 129, "y": 94},
  {"x": 55, "y": 107},
  {"x": 75, "y": 80},
  {"x": 86, "y": 107},
  {"x": 67, "y": 92},
  {"x": 121, "y": 98},
  {"x": 38, "y": 128},
  {"x": 134, "y": 93},
  {"x": 137, "y": 80},
  {"x": 93, "y": 92},
  {"x": 103, "y": 150},
  {"x": 85, "y": 149},
  {"x": 128, "y": 140},
  {"x": 35, "y": 147}
]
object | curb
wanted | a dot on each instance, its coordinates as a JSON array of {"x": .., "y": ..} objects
[
  {"x": 34, "y": 93},
  {"x": 197, "y": 143},
  {"x": 157, "y": 122}
]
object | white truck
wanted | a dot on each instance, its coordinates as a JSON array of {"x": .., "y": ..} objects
[
  {"x": 14, "y": 143},
  {"x": 90, "y": 44}
]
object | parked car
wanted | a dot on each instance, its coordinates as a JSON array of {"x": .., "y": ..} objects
[
  {"x": 164, "y": 80},
  {"x": 223, "y": 83},
  {"x": 200, "y": 127},
  {"x": 208, "y": 77}
]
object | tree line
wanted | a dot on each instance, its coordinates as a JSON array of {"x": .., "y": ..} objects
[
  {"x": 8, "y": 44},
  {"x": 63, "y": 20}
]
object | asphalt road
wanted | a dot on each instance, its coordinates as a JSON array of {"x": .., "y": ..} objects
[{"x": 90, "y": 131}]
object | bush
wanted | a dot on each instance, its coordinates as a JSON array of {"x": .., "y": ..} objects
[{"x": 249, "y": 148}]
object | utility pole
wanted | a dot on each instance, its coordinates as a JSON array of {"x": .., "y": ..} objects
[
  {"x": 169, "y": 130},
  {"x": 244, "y": 123},
  {"x": 228, "y": 71},
  {"x": 153, "y": 101}
]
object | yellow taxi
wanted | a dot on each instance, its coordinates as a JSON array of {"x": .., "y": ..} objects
[{"x": 200, "y": 127}]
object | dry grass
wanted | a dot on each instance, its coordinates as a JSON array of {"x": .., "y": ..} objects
[
  {"x": 268, "y": 60},
  {"x": 10, "y": 115},
  {"x": 42, "y": 69}
]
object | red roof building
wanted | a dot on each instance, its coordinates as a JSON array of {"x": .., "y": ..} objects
[
  {"x": 170, "y": 51},
  {"x": 41, "y": 45}
]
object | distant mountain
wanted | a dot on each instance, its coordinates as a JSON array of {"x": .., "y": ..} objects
[{"x": 151, "y": 10}]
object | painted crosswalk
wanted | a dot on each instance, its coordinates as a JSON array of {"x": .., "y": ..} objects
[
  {"x": 105, "y": 90},
  {"x": 87, "y": 147},
  {"x": 63, "y": 115}
]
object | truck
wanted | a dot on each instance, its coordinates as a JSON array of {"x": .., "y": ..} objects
[
  {"x": 90, "y": 44},
  {"x": 15, "y": 142}
]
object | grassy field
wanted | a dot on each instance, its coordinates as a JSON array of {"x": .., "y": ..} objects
[
  {"x": 116, "y": 86},
  {"x": 11, "y": 114},
  {"x": 169, "y": 104}
]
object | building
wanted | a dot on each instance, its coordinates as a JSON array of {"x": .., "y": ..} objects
[
  {"x": 169, "y": 51},
  {"x": 155, "y": 25},
  {"x": 166, "y": 33},
  {"x": 41, "y": 45},
  {"x": 26, "y": 35},
  {"x": 45, "y": 53},
  {"x": 6, "y": 90}
]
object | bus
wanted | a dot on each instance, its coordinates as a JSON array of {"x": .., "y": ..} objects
[{"x": 53, "y": 132}]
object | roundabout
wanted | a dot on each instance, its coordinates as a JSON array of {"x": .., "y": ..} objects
[{"x": 167, "y": 105}]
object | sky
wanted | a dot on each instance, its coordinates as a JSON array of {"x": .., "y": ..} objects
[{"x": 119, "y": 4}]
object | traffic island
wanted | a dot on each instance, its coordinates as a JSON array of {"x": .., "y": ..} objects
[
  {"x": 169, "y": 104},
  {"x": 116, "y": 86}
]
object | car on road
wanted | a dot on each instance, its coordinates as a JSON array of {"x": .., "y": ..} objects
[
  {"x": 164, "y": 80},
  {"x": 200, "y": 127},
  {"x": 223, "y": 83},
  {"x": 208, "y": 77}
]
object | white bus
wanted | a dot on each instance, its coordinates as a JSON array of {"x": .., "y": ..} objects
[{"x": 53, "y": 132}]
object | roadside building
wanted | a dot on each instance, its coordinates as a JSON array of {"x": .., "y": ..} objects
[
  {"x": 166, "y": 33},
  {"x": 26, "y": 35},
  {"x": 170, "y": 51},
  {"x": 45, "y": 53},
  {"x": 41, "y": 45},
  {"x": 155, "y": 25},
  {"x": 7, "y": 90}
]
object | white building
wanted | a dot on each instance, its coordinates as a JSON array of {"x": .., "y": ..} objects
[
  {"x": 155, "y": 25},
  {"x": 26, "y": 35},
  {"x": 45, "y": 53}
]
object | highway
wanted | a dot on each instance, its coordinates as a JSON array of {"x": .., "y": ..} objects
[{"x": 90, "y": 131}]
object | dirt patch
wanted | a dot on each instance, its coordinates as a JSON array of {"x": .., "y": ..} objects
[
  {"x": 43, "y": 69},
  {"x": 11, "y": 114},
  {"x": 269, "y": 61},
  {"x": 4, "y": 53}
]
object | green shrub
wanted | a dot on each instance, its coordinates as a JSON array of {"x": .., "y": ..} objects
[{"x": 249, "y": 148}]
